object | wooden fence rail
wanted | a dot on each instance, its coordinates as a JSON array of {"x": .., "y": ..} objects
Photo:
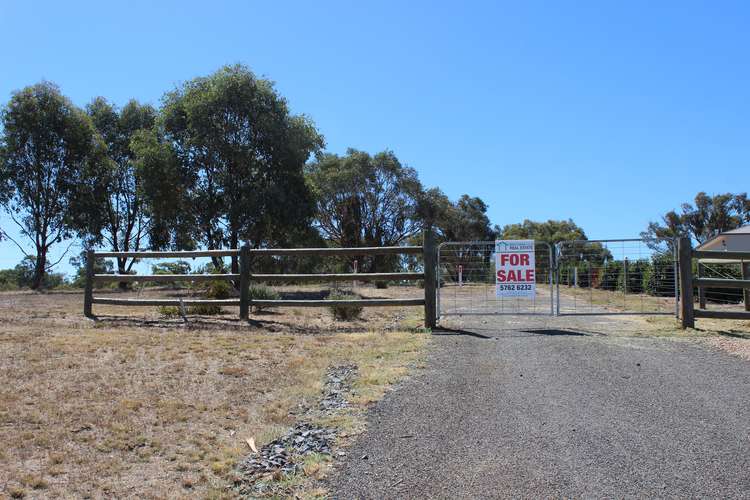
[
  {"x": 688, "y": 313},
  {"x": 245, "y": 277}
]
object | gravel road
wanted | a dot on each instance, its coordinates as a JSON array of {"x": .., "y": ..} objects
[{"x": 537, "y": 412}]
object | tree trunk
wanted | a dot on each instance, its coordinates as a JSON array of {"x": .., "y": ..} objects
[
  {"x": 39, "y": 269},
  {"x": 234, "y": 241},
  {"x": 122, "y": 269}
]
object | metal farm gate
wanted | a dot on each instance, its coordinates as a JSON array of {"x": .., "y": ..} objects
[
  {"x": 624, "y": 276},
  {"x": 587, "y": 277},
  {"x": 466, "y": 281}
]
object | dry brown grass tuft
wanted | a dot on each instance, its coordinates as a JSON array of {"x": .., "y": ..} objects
[{"x": 119, "y": 409}]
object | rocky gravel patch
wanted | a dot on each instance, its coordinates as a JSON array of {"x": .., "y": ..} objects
[{"x": 285, "y": 455}]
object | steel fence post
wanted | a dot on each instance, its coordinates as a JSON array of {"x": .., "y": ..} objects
[{"x": 551, "y": 279}]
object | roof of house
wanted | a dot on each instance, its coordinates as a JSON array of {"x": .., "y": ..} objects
[
  {"x": 739, "y": 230},
  {"x": 736, "y": 240}
]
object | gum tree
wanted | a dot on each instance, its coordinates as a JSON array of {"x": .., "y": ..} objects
[
  {"x": 242, "y": 153},
  {"x": 50, "y": 152},
  {"x": 125, "y": 222},
  {"x": 365, "y": 200}
]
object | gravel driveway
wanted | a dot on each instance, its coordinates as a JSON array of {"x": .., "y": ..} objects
[{"x": 538, "y": 412}]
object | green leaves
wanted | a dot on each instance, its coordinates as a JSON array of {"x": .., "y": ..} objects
[
  {"x": 49, "y": 155},
  {"x": 243, "y": 154},
  {"x": 702, "y": 220},
  {"x": 366, "y": 200}
]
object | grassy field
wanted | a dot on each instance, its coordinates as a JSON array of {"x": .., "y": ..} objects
[{"x": 135, "y": 405}]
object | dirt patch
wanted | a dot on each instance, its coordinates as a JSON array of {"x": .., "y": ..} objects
[{"x": 120, "y": 408}]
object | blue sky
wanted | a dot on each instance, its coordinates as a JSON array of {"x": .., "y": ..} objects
[{"x": 610, "y": 113}]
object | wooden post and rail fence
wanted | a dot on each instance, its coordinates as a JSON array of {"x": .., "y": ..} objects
[
  {"x": 688, "y": 312},
  {"x": 245, "y": 277}
]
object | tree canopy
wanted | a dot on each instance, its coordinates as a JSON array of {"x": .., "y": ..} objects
[
  {"x": 551, "y": 231},
  {"x": 701, "y": 220},
  {"x": 365, "y": 200},
  {"x": 463, "y": 220},
  {"x": 242, "y": 155},
  {"x": 50, "y": 153},
  {"x": 124, "y": 221}
]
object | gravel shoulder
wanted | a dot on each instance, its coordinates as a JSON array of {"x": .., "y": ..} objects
[{"x": 535, "y": 411}]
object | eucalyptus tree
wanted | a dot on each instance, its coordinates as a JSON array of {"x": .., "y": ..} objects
[
  {"x": 50, "y": 156},
  {"x": 700, "y": 220},
  {"x": 365, "y": 200},
  {"x": 551, "y": 231},
  {"x": 125, "y": 221},
  {"x": 242, "y": 153}
]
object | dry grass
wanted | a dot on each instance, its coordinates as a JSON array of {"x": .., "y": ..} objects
[
  {"x": 299, "y": 320},
  {"x": 116, "y": 408},
  {"x": 579, "y": 299}
]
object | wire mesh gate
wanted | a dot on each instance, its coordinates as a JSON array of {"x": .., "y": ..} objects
[
  {"x": 587, "y": 277},
  {"x": 466, "y": 281},
  {"x": 624, "y": 276}
]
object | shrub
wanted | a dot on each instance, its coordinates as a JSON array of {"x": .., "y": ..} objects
[
  {"x": 169, "y": 311},
  {"x": 635, "y": 271},
  {"x": 380, "y": 284},
  {"x": 178, "y": 267},
  {"x": 204, "y": 309},
  {"x": 610, "y": 275},
  {"x": 218, "y": 290},
  {"x": 345, "y": 312},
  {"x": 262, "y": 292},
  {"x": 659, "y": 278}
]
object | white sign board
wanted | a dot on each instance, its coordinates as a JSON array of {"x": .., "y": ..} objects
[{"x": 514, "y": 268}]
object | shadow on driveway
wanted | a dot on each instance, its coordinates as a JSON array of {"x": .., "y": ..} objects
[{"x": 453, "y": 331}]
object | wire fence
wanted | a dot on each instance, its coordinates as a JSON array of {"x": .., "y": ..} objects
[
  {"x": 466, "y": 281},
  {"x": 624, "y": 276},
  {"x": 723, "y": 299}
]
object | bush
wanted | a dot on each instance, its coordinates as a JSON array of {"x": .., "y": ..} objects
[
  {"x": 8, "y": 279},
  {"x": 610, "y": 275},
  {"x": 178, "y": 267},
  {"x": 380, "y": 284},
  {"x": 659, "y": 277},
  {"x": 262, "y": 292},
  {"x": 635, "y": 271},
  {"x": 169, "y": 311},
  {"x": 204, "y": 309},
  {"x": 219, "y": 290},
  {"x": 345, "y": 312}
]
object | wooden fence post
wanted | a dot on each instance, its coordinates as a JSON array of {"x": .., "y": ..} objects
[
  {"x": 430, "y": 268},
  {"x": 746, "y": 276},
  {"x": 88, "y": 292},
  {"x": 245, "y": 282},
  {"x": 685, "y": 256}
]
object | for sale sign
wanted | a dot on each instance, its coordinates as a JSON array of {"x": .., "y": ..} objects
[{"x": 514, "y": 268}]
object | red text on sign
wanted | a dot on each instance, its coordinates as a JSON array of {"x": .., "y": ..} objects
[
  {"x": 514, "y": 259},
  {"x": 513, "y": 276}
]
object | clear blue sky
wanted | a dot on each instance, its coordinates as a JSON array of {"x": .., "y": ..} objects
[{"x": 607, "y": 112}]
